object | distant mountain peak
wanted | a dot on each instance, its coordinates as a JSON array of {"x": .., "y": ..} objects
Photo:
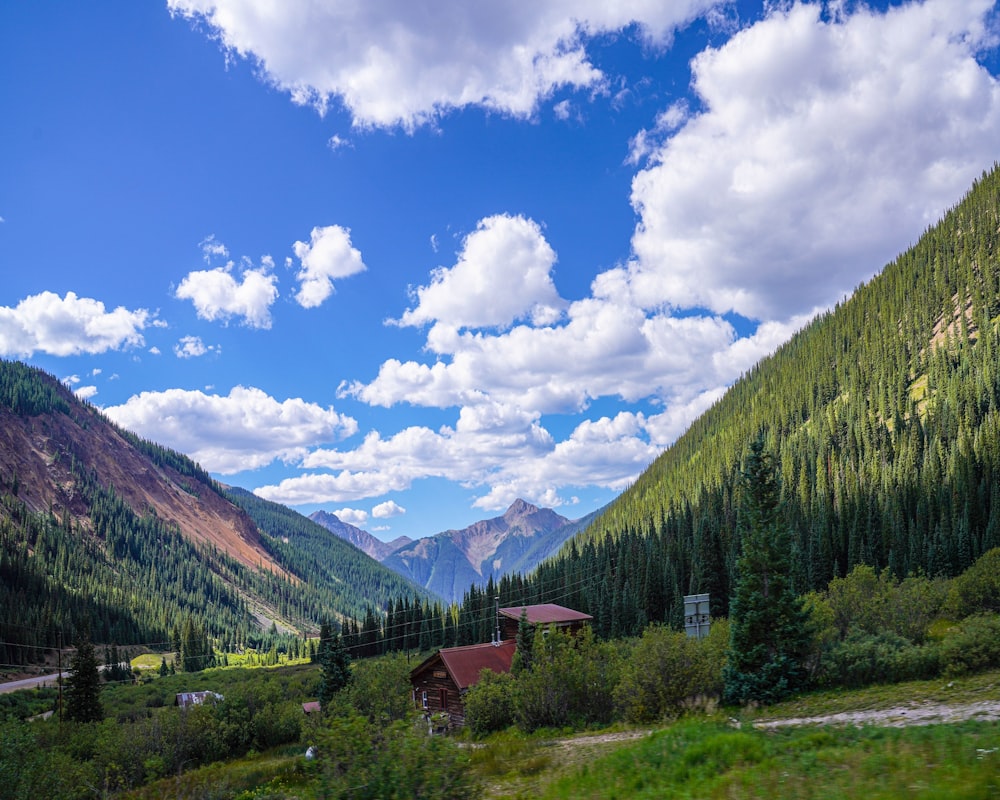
[
  {"x": 517, "y": 541},
  {"x": 520, "y": 508},
  {"x": 362, "y": 539}
]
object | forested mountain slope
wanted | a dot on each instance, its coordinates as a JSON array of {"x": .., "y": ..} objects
[
  {"x": 884, "y": 415},
  {"x": 356, "y": 581},
  {"x": 102, "y": 530}
]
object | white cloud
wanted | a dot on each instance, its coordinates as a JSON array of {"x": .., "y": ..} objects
[
  {"x": 820, "y": 146},
  {"x": 217, "y": 295},
  {"x": 387, "y": 510},
  {"x": 396, "y": 63},
  {"x": 327, "y": 256},
  {"x": 243, "y": 430},
  {"x": 85, "y": 392},
  {"x": 606, "y": 347},
  {"x": 212, "y": 249},
  {"x": 336, "y": 143},
  {"x": 352, "y": 516},
  {"x": 68, "y": 326},
  {"x": 823, "y": 149},
  {"x": 154, "y": 350},
  {"x": 324, "y": 488},
  {"x": 503, "y": 273},
  {"x": 193, "y": 347}
]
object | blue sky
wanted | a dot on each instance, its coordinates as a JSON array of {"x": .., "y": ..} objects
[{"x": 409, "y": 262}]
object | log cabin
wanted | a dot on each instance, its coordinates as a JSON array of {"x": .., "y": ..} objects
[{"x": 441, "y": 681}]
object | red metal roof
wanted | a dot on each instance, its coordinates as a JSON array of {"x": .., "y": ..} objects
[
  {"x": 546, "y": 614},
  {"x": 465, "y": 663}
]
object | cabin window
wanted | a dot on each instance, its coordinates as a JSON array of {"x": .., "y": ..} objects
[
  {"x": 424, "y": 698},
  {"x": 443, "y": 699}
]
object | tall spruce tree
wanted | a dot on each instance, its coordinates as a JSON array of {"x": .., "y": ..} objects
[
  {"x": 524, "y": 651},
  {"x": 83, "y": 686},
  {"x": 335, "y": 669},
  {"x": 769, "y": 637}
]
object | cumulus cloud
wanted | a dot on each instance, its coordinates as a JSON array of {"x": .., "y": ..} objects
[
  {"x": 352, "y": 516},
  {"x": 85, "y": 392},
  {"x": 606, "y": 347},
  {"x": 823, "y": 147},
  {"x": 821, "y": 142},
  {"x": 218, "y": 295},
  {"x": 69, "y": 326},
  {"x": 503, "y": 273},
  {"x": 399, "y": 64},
  {"x": 193, "y": 347},
  {"x": 327, "y": 256},
  {"x": 387, "y": 510},
  {"x": 243, "y": 430}
]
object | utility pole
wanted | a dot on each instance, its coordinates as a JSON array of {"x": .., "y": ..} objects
[{"x": 59, "y": 677}]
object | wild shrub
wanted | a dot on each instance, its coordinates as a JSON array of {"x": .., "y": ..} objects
[
  {"x": 365, "y": 761},
  {"x": 667, "y": 669},
  {"x": 864, "y": 658},
  {"x": 972, "y": 646},
  {"x": 570, "y": 684},
  {"x": 489, "y": 705},
  {"x": 977, "y": 589},
  {"x": 876, "y": 602}
]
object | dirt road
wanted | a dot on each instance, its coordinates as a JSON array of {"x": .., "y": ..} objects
[{"x": 31, "y": 683}]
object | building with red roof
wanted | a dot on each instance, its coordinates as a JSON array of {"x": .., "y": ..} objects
[{"x": 441, "y": 681}]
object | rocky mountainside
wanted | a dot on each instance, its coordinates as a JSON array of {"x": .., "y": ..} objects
[
  {"x": 361, "y": 539},
  {"x": 450, "y": 562},
  {"x": 52, "y": 454},
  {"x": 105, "y": 531}
]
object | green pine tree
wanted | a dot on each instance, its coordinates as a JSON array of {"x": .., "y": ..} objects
[
  {"x": 768, "y": 634},
  {"x": 83, "y": 686},
  {"x": 524, "y": 650},
  {"x": 335, "y": 669}
]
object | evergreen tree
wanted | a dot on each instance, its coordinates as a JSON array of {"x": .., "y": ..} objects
[
  {"x": 524, "y": 651},
  {"x": 768, "y": 633},
  {"x": 83, "y": 686},
  {"x": 335, "y": 669}
]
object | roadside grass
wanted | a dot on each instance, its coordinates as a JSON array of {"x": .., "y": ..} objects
[
  {"x": 956, "y": 691},
  {"x": 710, "y": 759},
  {"x": 281, "y": 774}
]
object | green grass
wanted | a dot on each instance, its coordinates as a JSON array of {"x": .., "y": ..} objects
[
  {"x": 710, "y": 759},
  {"x": 278, "y": 775},
  {"x": 957, "y": 691}
]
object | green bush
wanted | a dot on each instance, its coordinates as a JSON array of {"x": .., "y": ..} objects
[
  {"x": 863, "y": 659},
  {"x": 667, "y": 669},
  {"x": 365, "y": 761},
  {"x": 972, "y": 646},
  {"x": 875, "y": 602},
  {"x": 489, "y": 705},
  {"x": 380, "y": 689},
  {"x": 977, "y": 589},
  {"x": 570, "y": 684}
]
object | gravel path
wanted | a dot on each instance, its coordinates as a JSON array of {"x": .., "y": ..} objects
[{"x": 899, "y": 717}]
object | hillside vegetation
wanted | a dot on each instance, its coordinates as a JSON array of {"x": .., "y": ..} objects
[
  {"x": 884, "y": 417},
  {"x": 101, "y": 530}
]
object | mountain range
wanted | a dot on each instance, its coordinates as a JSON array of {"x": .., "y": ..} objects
[
  {"x": 448, "y": 563},
  {"x": 102, "y": 530},
  {"x": 882, "y": 416}
]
